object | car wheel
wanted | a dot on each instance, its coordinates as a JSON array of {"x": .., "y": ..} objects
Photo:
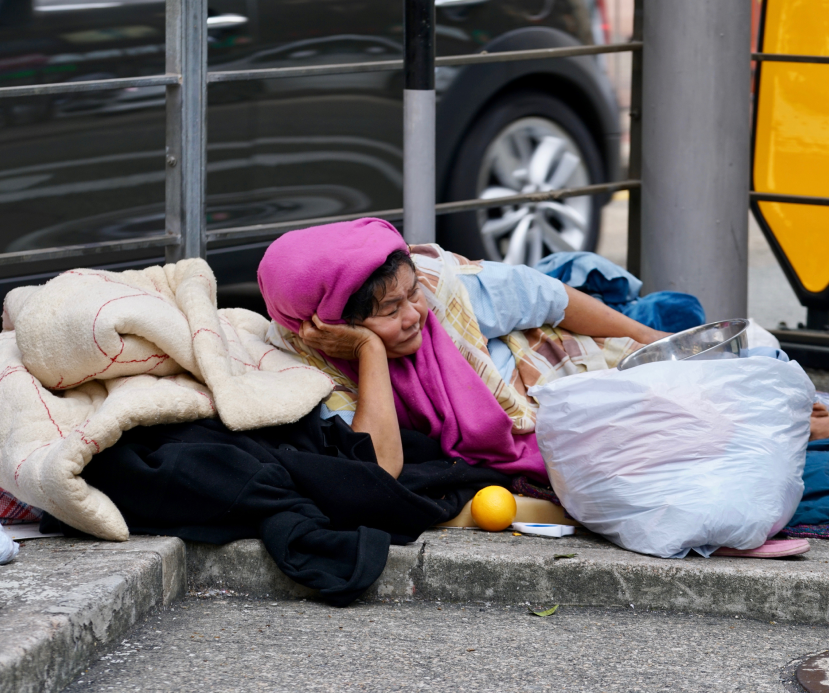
[{"x": 526, "y": 142}]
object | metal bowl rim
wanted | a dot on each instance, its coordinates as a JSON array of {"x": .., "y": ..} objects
[{"x": 699, "y": 327}]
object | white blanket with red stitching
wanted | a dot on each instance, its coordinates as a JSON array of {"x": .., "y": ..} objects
[{"x": 91, "y": 354}]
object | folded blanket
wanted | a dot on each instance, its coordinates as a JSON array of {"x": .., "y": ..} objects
[{"x": 91, "y": 354}]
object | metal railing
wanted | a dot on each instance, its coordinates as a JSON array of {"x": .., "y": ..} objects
[
  {"x": 269, "y": 230},
  {"x": 186, "y": 80}
]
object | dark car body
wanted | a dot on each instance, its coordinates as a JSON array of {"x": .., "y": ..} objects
[{"x": 86, "y": 167}]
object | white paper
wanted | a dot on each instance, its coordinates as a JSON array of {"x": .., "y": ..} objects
[{"x": 27, "y": 530}]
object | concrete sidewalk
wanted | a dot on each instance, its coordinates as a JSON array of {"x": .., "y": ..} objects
[
  {"x": 239, "y": 645},
  {"x": 65, "y": 599},
  {"x": 62, "y": 600}
]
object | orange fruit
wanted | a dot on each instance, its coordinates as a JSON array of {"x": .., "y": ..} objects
[{"x": 493, "y": 508}]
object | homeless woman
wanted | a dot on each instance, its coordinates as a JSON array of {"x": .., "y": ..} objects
[{"x": 419, "y": 338}]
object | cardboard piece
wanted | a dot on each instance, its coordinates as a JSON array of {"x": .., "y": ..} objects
[{"x": 528, "y": 510}]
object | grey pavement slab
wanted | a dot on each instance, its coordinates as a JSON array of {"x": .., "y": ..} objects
[
  {"x": 63, "y": 600},
  {"x": 251, "y": 645},
  {"x": 470, "y": 565}
]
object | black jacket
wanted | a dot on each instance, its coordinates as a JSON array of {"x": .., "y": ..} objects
[{"x": 312, "y": 491}]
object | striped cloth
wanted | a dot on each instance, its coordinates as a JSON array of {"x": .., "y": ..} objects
[
  {"x": 13, "y": 511},
  {"x": 542, "y": 354}
]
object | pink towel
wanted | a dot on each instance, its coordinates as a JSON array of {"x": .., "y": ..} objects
[{"x": 435, "y": 390}]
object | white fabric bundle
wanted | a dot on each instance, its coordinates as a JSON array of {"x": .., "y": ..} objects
[{"x": 91, "y": 354}]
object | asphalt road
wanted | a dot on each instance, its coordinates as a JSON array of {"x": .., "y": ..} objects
[
  {"x": 236, "y": 644},
  {"x": 770, "y": 298}
]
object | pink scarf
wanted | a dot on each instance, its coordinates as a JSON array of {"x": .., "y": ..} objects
[{"x": 435, "y": 390}]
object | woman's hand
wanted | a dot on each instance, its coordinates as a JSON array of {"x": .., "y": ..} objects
[
  {"x": 337, "y": 341},
  {"x": 375, "y": 413}
]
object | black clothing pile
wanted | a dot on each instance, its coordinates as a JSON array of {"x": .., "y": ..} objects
[{"x": 312, "y": 491}]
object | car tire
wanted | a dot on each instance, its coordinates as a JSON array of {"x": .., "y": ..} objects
[{"x": 526, "y": 115}]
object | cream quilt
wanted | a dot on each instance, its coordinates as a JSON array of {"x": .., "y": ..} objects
[{"x": 91, "y": 354}]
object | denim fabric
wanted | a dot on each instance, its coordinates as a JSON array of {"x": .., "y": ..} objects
[
  {"x": 593, "y": 274},
  {"x": 814, "y": 506},
  {"x": 669, "y": 311}
]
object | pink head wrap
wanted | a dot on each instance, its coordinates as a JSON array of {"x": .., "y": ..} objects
[
  {"x": 435, "y": 390},
  {"x": 317, "y": 269}
]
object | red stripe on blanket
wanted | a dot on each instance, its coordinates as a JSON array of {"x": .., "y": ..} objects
[
  {"x": 21, "y": 463},
  {"x": 48, "y": 413},
  {"x": 259, "y": 365},
  {"x": 205, "y": 329}
]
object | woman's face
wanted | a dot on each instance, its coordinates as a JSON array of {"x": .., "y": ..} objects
[{"x": 401, "y": 315}]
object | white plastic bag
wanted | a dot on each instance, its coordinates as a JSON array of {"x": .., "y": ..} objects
[
  {"x": 8, "y": 547},
  {"x": 673, "y": 456}
]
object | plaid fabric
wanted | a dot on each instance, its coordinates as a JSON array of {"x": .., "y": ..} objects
[
  {"x": 13, "y": 511},
  {"x": 525, "y": 486},
  {"x": 542, "y": 354},
  {"x": 807, "y": 531},
  {"x": 344, "y": 396}
]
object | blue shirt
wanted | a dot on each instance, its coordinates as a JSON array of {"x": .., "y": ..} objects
[
  {"x": 505, "y": 298},
  {"x": 512, "y": 297}
]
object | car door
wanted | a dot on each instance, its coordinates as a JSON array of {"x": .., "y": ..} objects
[
  {"x": 87, "y": 167},
  {"x": 328, "y": 145},
  {"x": 71, "y": 164}
]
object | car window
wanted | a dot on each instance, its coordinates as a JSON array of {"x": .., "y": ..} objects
[{"x": 75, "y": 5}]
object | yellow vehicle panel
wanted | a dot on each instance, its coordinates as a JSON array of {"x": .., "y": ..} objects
[{"x": 791, "y": 139}]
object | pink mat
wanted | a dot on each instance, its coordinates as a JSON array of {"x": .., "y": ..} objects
[{"x": 773, "y": 548}]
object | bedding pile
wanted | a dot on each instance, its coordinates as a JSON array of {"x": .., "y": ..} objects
[{"x": 91, "y": 354}]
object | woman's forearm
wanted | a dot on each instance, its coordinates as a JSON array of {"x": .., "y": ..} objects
[
  {"x": 375, "y": 413},
  {"x": 588, "y": 316}
]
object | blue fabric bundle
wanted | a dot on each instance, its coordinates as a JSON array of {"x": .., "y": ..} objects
[
  {"x": 814, "y": 506},
  {"x": 669, "y": 311}
]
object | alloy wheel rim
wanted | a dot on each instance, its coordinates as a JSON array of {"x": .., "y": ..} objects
[{"x": 533, "y": 154}]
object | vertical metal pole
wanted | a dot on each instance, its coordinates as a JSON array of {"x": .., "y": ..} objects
[
  {"x": 186, "y": 127},
  {"x": 695, "y": 151},
  {"x": 419, "y": 122},
  {"x": 634, "y": 262}
]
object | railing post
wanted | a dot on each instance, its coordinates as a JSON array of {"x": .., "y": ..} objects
[
  {"x": 695, "y": 151},
  {"x": 634, "y": 258},
  {"x": 419, "y": 121},
  {"x": 186, "y": 127}
]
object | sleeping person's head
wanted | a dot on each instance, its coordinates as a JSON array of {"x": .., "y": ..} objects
[
  {"x": 391, "y": 304},
  {"x": 353, "y": 272}
]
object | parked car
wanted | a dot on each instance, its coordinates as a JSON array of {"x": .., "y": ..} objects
[{"x": 86, "y": 167}]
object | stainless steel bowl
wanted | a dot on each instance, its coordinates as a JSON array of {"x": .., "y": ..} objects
[{"x": 717, "y": 340}]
